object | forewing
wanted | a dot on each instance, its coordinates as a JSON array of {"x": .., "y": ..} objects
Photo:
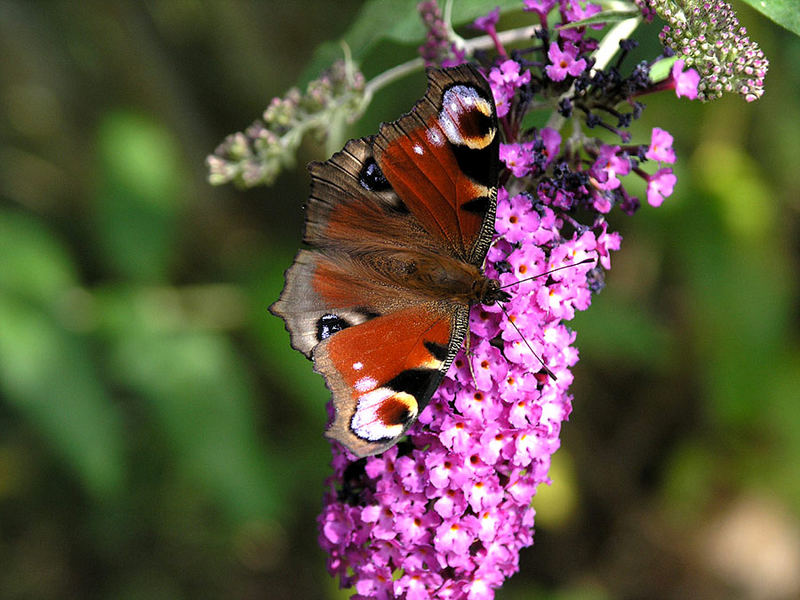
[{"x": 442, "y": 160}]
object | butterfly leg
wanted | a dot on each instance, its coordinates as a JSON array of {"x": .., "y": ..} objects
[{"x": 468, "y": 354}]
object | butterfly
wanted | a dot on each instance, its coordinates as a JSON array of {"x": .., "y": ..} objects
[{"x": 397, "y": 227}]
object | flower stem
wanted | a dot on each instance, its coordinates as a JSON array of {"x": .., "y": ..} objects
[{"x": 479, "y": 43}]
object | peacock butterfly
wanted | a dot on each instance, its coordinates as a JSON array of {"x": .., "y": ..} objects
[{"x": 398, "y": 226}]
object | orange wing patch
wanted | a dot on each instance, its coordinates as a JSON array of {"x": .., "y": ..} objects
[
  {"x": 442, "y": 160},
  {"x": 380, "y": 388}
]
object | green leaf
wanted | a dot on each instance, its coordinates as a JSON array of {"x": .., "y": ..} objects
[
  {"x": 47, "y": 375},
  {"x": 604, "y": 17},
  {"x": 742, "y": 295},
  {"x": 397, "y": 21},
  {"x": 35, "y": 266},
  {"x": 200, "y": 394},
  {"x": 784, "y": 12},
  {"x": 137, "y": 204},
  {"x": 46, "y": 369},
  {"x": 662, "y": 68}
]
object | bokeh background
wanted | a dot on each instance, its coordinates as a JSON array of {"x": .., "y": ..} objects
[{"x": 158, "y": 437}]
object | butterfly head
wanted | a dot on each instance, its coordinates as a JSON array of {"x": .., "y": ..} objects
[{"x": 490, "y": 292}]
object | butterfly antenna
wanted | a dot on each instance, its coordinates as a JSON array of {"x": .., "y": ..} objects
[
  {"x": 539, "y": 358},
  {"x": 584, "y": 261}
]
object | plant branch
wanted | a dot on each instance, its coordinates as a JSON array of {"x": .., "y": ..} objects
[{"x": 483, "y": 42}]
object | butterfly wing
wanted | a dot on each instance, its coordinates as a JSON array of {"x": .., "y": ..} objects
[
  {"x": 382, "y": 348},
  {"x": 442, "y": 159},
  {"x": 352, "y": 214},
  {"x": 380, "y": 387}
]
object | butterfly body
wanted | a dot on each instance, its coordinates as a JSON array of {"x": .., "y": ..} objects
[{"x": 398, "y": 226}]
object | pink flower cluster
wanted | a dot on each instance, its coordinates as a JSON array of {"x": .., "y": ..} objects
[
  {"x": 563, "y": 62},
  {"x": 446, "y": 515},
  {"x": 506, "y": 80},
  {"x": 590, "y": 176},
  {"x": 596, "y": 183}
]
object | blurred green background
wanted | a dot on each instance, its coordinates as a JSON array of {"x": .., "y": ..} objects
[{"x": 158, "y": 437}]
